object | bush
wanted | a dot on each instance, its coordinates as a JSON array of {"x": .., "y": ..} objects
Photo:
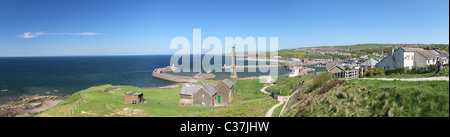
[
  {"x": 373, "y": 72},
  {"x": 413, "y": 70},
  {"x": 320, "y": 80},
  {"x": 391, "y": 71}
]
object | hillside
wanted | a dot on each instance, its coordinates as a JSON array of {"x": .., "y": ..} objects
[
  {"x": 373, "y": 98},
  {"x": 356, "y": 50},
  {"x": 108, "y": 101}
]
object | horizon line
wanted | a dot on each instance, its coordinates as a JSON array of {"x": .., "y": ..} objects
[{"x": 192, "y": 54}]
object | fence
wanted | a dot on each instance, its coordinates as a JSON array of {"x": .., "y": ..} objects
[
  {"x": 351, "y": 74},
  {"x": 296, "y": 87},
  {"x": 294, "y": 98},
  {"x": 76, "y": 105}
]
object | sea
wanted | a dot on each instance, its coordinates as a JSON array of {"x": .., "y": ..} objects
[{"x": 63, "y": 76}]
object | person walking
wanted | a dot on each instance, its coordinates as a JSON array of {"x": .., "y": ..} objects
[{"x": 438, "y": 67}]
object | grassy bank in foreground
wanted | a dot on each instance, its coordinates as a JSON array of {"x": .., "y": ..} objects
[
  {"x": 108, "y": 101},
  {"x": 373, "y": 98},
  {"x": 446, "y": 74},
  {"x": 257, "y": 108}
]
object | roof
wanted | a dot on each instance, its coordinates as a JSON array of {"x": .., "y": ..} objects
[
  {"x": 133, "y": 93},
  {"x": 189, "y": 89},
  {"x": 228, "y": 83},
  {"x": 370, "y": 62},
  {"x": 212, "y": 85},
  {"x": 425, "y": 53},
  {"x": 435, "y": 53},
  {"x": 442, "y": 52},
  {"x": 209, "y": 89},
  {"x": 332, "y": 65}
]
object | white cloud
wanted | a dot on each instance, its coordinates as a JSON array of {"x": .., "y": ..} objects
[{"x": 27, "y": 35}]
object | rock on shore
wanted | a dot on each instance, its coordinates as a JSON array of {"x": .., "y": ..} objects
[{"x": 29, "y": 104}]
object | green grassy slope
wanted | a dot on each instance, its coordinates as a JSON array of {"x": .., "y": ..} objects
[
  {"x": 356, "y": 46},
  {"x": 446, "y": 74},
  {"x": 373, "y": 98},
  {"x": 256, "y": 108},
  {"x": 108, "y": 101},
  {"x": 286, "y": 84},
  {"x": 159, "y": 102}
]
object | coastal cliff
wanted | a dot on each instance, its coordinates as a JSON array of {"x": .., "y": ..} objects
[{"x": 29, "y": 104}]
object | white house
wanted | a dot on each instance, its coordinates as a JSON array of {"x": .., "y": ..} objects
[
  {"x": 408, "y": 57},
  {"x": 295, "y": 72}
]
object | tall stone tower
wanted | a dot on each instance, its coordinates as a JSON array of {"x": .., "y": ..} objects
[{"x": 233, "y": 74}]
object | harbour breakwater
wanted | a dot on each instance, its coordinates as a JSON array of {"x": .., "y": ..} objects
[{"x": 161, "y": 73}]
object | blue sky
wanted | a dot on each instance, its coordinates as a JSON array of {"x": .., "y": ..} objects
[{"x": 115, "y": 27}]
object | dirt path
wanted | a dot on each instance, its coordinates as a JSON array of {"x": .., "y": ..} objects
[
  {"x": 411, "y": 79},
  {"x": 282, "y": 99},
  {"x": 263, "y": 90},
  {"x": 270, "y": 112}
]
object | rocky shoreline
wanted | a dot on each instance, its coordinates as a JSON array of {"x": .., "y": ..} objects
[{"x": 29, "y": 104}]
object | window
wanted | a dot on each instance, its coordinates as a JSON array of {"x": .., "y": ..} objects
[
  {"x": 203, "y": 95},
  {"x": 407, "y": 57},
  {"x": 203, "y": 103}
]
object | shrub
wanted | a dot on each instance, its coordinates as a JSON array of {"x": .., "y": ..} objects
[
  {"x": 373, "y": 72},
  {"x": 413, "y": 70},
  {"x": 320, "y": 80},
  {"x": 391, "y": 71}
]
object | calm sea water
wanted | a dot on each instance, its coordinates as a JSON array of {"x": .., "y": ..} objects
[{"x": 63, "y": 76}]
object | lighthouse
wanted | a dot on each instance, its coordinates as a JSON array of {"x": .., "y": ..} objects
[{"x": 233, "y": 74}]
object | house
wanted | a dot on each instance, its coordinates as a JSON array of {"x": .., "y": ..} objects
[
  {"x": 443, "y": 56},
  {"x": 134, "y": 97},
  {"x": 350, "y": 60},
  {"x": 334, "y": 67},
  {"x": 192, "y": 94},
  {"x": 369, "y": 64},
  {"x": 224, "y": 92},
  {"x": 408, "y": 57},
  {"x": 206, "y": 94},
  {"x": 295, "y": 72}
]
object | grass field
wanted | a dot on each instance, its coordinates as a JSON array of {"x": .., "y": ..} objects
[
  {"x": 248, "y": 89},
  {"x": 286, "y": 84},
  {"x": 373, "y": 98},
  {"x": 108, "y": 101},
  {"x": 446, "y": 74},
  {"x": 257, "y": 108},
  {"x": 356, "y": 46},
  {"x": 97, "y": 103}
]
